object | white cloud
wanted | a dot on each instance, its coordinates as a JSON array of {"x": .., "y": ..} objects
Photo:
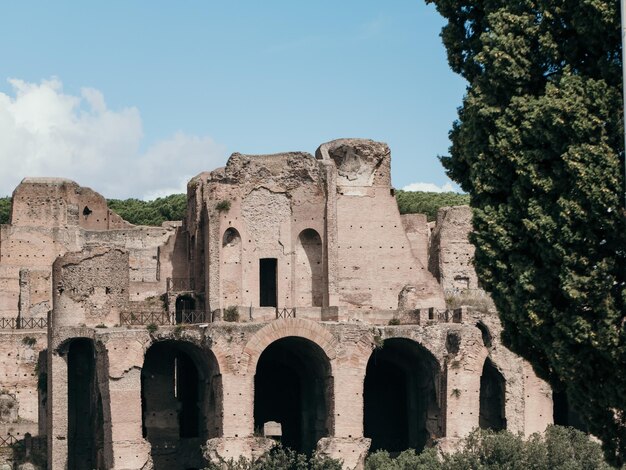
[
  {"x": 432, "y": 188},
  {"x": 45, "y": 132}
]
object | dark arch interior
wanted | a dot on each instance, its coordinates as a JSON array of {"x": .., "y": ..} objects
[
  {"x": 231, "y": 237},
  {"x": 185, "y": 304},
  {"x": 400, "y": 396},
  {"x": 311, "y": 243},
  {"x": 293, "y": 387},
  {"x": 181, "y": 403},
  {"x": 564, "y": 414},
  {"x": 85, "y": 422},
  {"x": 492, "y": 398}
]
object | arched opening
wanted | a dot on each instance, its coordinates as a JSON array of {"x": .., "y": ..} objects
[
  {"x": 309, "y": 269},
  {"x": 231, "y": 268},
  {"x": 492, "y": 398},
  {"x": 293, "y": 386},
  {"x": 564, "y": 414},
  {"x": 85, "y": 431},
  {"x": 181, "y": 399},
  {"x": 486, "y": 334},
  {"x": 401, "y": 397},
  {"x": 185, "y": 305}
]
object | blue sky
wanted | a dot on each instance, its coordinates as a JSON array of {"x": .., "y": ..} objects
[{"x": 133, "y": 98}]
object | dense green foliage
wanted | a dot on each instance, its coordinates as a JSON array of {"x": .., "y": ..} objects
[
  {"x": 418, "y": 202},
  {"x": 155, "y": 212},
  {"x": 280, "y": 458},
  {"x": 539, "y": 147},
  {"x": 5, "y": 209},
  {"x": 560, "y": 449}
]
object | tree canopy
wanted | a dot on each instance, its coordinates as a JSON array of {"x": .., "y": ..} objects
[
  {"x": 138, "y": 212},
  {"x": 5, "y": 209},
  {"x": 538, "y": 145},
  {"x": 418, "y": 202}
]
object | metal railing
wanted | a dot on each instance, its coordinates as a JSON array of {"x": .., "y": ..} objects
[
  {"x": 146, "y": 318},
  {"x": 163, "y": 318},
  {"x": 23, "y": 323},
  {"x": 180, "y": 284},
  {"x": 286, "y": 312},
  {"x": 191, "y": 316},
  {"x": 7, "y": 441}
]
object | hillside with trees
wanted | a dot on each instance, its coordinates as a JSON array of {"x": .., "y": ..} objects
[{"x": 173, "y": 207}]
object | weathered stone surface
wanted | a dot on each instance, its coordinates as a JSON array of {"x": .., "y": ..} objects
[{"x": 170, "y": 334}]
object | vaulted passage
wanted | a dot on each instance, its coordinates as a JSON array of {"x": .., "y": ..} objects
[
  {"x": 293, "y": 387},
  {"x": 492, "y": 389},
  {"x": 85, "y": 424},
  {"x": 401, "y": 397},
  {"x": 181, "y": 403},
  {"x": 309, "y": 269}
]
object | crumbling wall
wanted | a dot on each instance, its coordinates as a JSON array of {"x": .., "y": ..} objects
[
  {"x": 451, "y": 252},
  {"x": 90, "y": 287},
  {"x": 375, "y": 260},
  {"x": 22, "y": 381}
]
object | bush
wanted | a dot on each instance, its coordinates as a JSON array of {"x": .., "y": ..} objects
[
  {"x": 561, "y": 448},
  {"x": 279, "y": 458},
  {"x": 29, "y": 341},
  {"x": 135, "y": 211},
  {"x": 223, "y": 205},
  {"x": 231, "y": 314},
  {"x": 152, "y": 328},
  {"x": 5, "y": 210}
]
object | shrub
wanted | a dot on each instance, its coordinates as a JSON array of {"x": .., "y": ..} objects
[
  {"x": 223, "y": 205},
  {"x": 152, "y": 328},
  {"x": 29, "y": 341},
  {"x": 394, "y": 321},
  {"x": 231, "y": 314},
  {"x": 279, "y": 458}
]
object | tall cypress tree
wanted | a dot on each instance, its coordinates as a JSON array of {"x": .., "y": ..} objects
[{"x": 539, "y": 147}]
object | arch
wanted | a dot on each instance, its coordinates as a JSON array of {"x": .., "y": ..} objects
[
  {"x": 181, "y": 401},
  {"x": 85, "y": 424},
  {"x": 492, "y": 398},
  {"x": 231, "y": 275},
  {"x": 309, "y": 269},
  {"x": 402, "y": 396},
  {"x": 282, "y": 328},
  {"x": 486, "y": 334},
  {"x": 293, "y": 386}
]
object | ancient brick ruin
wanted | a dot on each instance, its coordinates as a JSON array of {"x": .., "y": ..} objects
[{"x": 293, "y": 302}]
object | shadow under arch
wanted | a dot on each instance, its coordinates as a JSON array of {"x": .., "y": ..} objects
[
  {"x": 492, "y": 398},
  {"x": 402, "y": 396},
  {"x": 181, "y": 401},
  {"x": 293, "y": 386}
]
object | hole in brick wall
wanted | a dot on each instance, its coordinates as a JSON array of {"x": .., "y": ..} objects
[{"x": 87, "y": 211}]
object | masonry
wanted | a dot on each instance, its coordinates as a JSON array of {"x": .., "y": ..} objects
[{"x": 293, "y": 303}]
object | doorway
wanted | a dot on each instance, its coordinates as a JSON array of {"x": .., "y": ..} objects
[{"x": 267, "y": 282}]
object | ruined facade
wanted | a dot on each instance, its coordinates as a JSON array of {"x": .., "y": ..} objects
[{"x": 294, "y": 302}]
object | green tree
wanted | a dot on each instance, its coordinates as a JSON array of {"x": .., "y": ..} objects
[
  {"x": 538, "y": 145},
  {"x": 419, "y": 202},
  {"x": 155, "y": 212},
  {"x": 5, "y": 209}
]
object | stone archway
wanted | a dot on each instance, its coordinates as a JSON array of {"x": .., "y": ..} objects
[
  {"x": 492, "y": 398},
  {"x": 309, "y": 272},
  {"x": 401, "y": 391},
  {"x": 293, "y": 386},
  {"x": 181, "y": 398}
]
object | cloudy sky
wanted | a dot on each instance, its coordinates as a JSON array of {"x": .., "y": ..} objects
[{"x": 134, "y": 98}]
